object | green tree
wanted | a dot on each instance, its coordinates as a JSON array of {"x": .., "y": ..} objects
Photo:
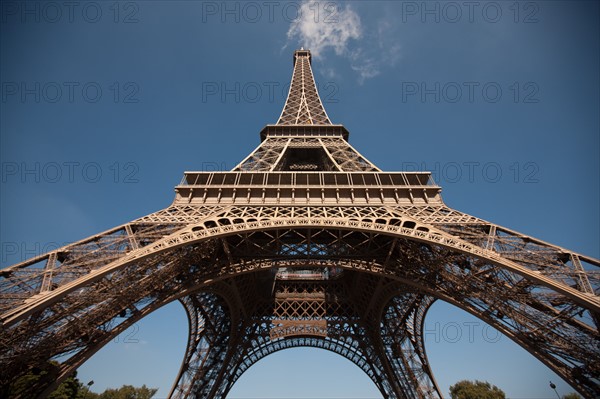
[
  {"x": 571, "y": 395},
  {"x": 128, "y": 392},
  {"x": 21, "y": 386},
  {"x": 85, "y": 393},
  {"x": 475, "y": 390},
  {"x": 68, "y": 389},
  {"x": 26, "y": 387}
]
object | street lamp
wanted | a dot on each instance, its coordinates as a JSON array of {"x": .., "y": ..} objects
[
  {"x": 554, "y": 387},
  {"x": 87, "y": 389}
]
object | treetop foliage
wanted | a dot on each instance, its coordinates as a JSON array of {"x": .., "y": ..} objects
[{"x": 475, "y": 390}]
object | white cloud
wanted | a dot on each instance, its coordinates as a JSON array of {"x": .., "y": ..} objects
[
  {"x": 366, "y": 69},
  {"x": 330, "y": 26},
  {"x": 390, "y": 50},
  {"x": 329, "y": 73},
  {"x": 325, "y": 25}
]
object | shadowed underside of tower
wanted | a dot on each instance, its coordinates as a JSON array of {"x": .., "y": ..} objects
[{"x": 304, "y": 243}]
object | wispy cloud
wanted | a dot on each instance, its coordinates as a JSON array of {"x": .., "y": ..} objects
[
  {"x": 389, "y": 49},
  {"x": 325, "y": 25},
  {"x": 332, "y": 26},
  {"x": 366, "y": 68}
]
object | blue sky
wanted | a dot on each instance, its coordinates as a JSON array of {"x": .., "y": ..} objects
[{"x": 105, "y": 104}]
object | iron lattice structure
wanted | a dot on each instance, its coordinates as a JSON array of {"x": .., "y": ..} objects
[{"x": 304, "y": 243}]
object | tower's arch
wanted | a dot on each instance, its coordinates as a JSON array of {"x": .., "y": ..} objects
[{"x": 305, "y": 242}]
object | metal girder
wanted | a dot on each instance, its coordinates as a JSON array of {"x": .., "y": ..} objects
[
  {"x": 545, "y": 321},
  {"x": 303, "y": 105},
  {"x": 335, "y": 154},
  {"x": 304, "y": 243},
  {"x": 343, "y": 331}
]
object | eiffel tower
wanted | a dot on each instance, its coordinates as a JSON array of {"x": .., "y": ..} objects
[{"x": 305, "y": 243}]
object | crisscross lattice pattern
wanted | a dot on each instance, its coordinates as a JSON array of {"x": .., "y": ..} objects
[
  {"x": 303, "y": 105},
  {"x": 304, "y": 243}
]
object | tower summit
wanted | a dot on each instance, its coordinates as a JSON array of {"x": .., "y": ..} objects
[
  {"x": 303, "y": 105},
  {"x": 304, "y": 243},
  {"x": 304, "y": 137}
]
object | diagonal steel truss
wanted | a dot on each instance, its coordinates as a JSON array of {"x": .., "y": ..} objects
[
  {"x": 304, "y": 243},
  {"x": 303, "y": 105}
]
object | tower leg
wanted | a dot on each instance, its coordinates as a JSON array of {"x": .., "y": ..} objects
[
  {"x": 209, "y": 335},
  {"x": 404, "y": 346}
]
